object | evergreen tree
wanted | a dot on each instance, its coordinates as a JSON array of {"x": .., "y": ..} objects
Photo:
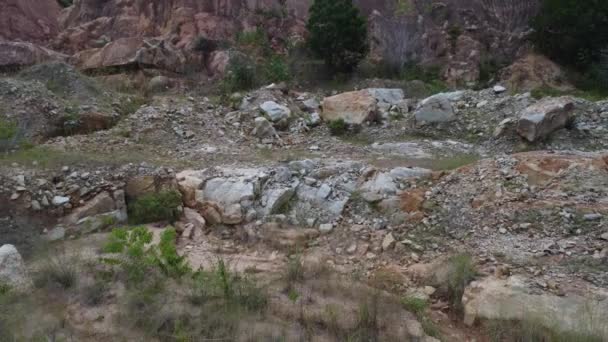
[
  {"x": 338, "y": 33},
  {"x": 572, "y": 32}
]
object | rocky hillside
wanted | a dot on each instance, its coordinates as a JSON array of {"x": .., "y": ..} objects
[
  {"x": 147, "y": 194},
  {"x": 461, "y": 35}
]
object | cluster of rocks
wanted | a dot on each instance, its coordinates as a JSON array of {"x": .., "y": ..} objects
[
  {"x": 53, "y": 99},
  {"x": 309, "y": 193},
  {"x": 527, "y": 207}
]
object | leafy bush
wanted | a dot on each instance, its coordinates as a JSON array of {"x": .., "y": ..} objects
[
  {"x": 231, "y": 288},
  {"x": 338, "y": 127},
  {"x": 161, "y": 206},
  {"x": 276, "y": 69},
  {"x": 137, "y": 257},
  {"x": 166, "y": 257},
  {"x": 572, "y": 32},
  {"x": 134, "y": 257},
  {"x": 8, "y": 129},
  {"x": 461, "y": 272},
  {"x": 241, "y": 74},
  {"x": 338, "y": 34},
  {"x": 415, "y": 305}
]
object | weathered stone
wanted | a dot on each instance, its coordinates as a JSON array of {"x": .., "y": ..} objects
[
  {"x": 193, "y": 217},
  {"x": 326, "y": 228},
  {"x": 152, "y": 53},
  {"x": 188, "y": 183},
  {"x": 541, "y": 119},
  {"x": 60, "y": 200},
  {"x": 434, "y": 109},
  {"x": 311, "y": 104},
  {"x": 102, "y": 203},
  {"x": 56, "y": 234},
  {"x": 277, "y": 199},
  {"x": 20, "y": 54},
  {"x": 263, "y": 128},
  {"x": 12, "y": 268},
  {"x": 232, "y": 214},
  {"x": 388, "y": 242},
  {"x": 511, "y": 299},
  {"x": 354, "y": 107},
  {"x": 159, "y": 84},
  {"x": 210, "y": 212},
  {"x": 275, "y": 111},
  {"x": 226, "y": 191}
]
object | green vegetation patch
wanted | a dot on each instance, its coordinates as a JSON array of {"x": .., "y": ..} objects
[{"x": 161, "y": 206}]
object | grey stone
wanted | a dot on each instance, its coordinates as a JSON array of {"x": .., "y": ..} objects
[
  {"x": 436, "y": 108},
  {"x": 56, "y": 234},
  {"x": 326, "y": 228},
  {"x": 541, "y": 119},
  {"x": 263, "y": 128},
  {"x": 275, "y": 111},
  {"x": 311, "y": 104},
  {"x": 226, "y": 191},
  {"x": 60, "y": 200},
  {"x": 12, "y": 268},
  {"x": 277, "y": 199},
  {"x": 498, "y": 89}
]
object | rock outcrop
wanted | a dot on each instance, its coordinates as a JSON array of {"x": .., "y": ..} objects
[
  {"x": 29, "y": 20},
  {"x": 20, "y": 54},
  {"x": 513, "y": 299},
  {"x": 541, "y": 119}
]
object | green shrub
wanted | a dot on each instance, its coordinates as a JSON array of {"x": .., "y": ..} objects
[
  {"x": 572, "y": 32},
  {"x": 8, "y": 129},
  {"x": 4, "y": 289},
  {"x": 241, "y": 74},
  {"x": 233, "y": 289},
  {"x": 460, "y": 273},
  {"x": 276, "y": 69},
  {"x": 415, "y": 305},
  {"x": 137, "y": 257},
  {"x": 58, "y": 271},
  {"x": 338, "y": 34},
  {"x": 133, "y": 257},
  {"x": 161, "y": 206},
  {"x": 166, "y": 257},
  {"x": 338, "y": 127}
]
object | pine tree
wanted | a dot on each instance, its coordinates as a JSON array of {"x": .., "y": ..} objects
[
  {"x": 338, "y": 33},
  {"x": 572, "y": 32}
]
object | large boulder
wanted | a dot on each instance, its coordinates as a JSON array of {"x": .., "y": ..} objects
[
  {"x": 513, "y": 299},
  {"x": 20, "y": 54},
  {"x": 435, "y": 109},
  {"x": 541, "y": 119},
  {"x": 355, "y": 107},
  {"x": 263, "y": 128},
  {"x": 29, "y": 20},
  {"x": 125, "y": 52},
  {"x": 12, "y": 268}
]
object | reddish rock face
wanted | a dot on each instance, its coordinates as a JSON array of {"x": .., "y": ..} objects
[{"x": 29, "y": 20}]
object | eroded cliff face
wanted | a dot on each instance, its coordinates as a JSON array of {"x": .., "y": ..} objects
[
  {"x": 28, "y": 20},
  {"x": 459, "y": 35}
]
